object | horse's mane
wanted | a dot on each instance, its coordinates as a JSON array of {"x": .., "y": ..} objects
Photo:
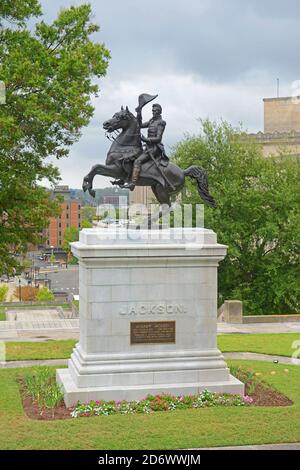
[{"x": 126, "y": 112}]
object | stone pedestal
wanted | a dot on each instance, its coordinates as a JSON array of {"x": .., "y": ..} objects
[
  {"x": 231, "y": 312},
  {"x": 148, "y": 316}
]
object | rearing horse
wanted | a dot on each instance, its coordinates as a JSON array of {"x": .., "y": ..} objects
[{"x": 164, "y": 181}]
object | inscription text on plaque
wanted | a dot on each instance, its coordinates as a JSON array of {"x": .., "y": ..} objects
[{"x": 152, "y": 332}]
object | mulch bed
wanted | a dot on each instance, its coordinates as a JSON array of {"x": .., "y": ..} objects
[
  {"x": 262, "y": 396},
  {"x": 33, "y": 411},
  {"x": 266, "y": 396}
]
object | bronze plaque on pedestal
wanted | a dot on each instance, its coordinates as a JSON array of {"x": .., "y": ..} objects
[{"x": 152, "y": 332}]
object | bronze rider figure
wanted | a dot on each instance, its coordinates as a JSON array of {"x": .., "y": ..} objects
[{"x": 154, "y": 147}]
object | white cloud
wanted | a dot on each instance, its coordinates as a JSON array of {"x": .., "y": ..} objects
[
  {"x": 184, "y": 99},
  {"x": 211, "y": 58}
]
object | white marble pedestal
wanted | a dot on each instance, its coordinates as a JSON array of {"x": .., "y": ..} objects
[{"x": 129, "y": 279}]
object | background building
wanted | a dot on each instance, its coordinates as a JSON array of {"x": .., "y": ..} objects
[
  {"x": 281, "y": 114},
  {"x": 70, "y": 217},
  {"x": 142, "y": 195},
  {"x": 281, "y": 126},
  {"x": 116, "y": 201}
]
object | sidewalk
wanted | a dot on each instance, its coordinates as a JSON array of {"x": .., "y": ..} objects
[
  {"x": 261, "y": 357},
  {"x": 292, "y": 446},
  {"x": 69, "y": 329},
  {"x": 248, "y": 328},
  {"x": 249, "y": 356},
  {"x": 33, "y": 363},
  {"x": 39, "y": 330}
]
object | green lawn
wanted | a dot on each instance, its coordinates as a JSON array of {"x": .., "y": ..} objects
[
  {"x": 21, "y": 351},
  {"x": 43, "y": 305},
  {"x": 198, "y": 427},
  {"x": 277, "y": 344},
  {"x": 272, "y": 343},
  {"x": 2, "y": 314}
]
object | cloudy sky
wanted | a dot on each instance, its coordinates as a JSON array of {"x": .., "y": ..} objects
[{"x": 205, "y": 58}]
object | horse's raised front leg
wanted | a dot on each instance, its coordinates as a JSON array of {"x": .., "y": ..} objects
[{"x": 104, "y": 170}]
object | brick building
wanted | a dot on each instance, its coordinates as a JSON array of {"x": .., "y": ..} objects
[{"x": 70, "y": 217}]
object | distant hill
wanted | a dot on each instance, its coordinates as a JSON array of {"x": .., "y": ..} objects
[{"x": 88, "y": 200}]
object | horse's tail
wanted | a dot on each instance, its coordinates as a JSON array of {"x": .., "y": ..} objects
[{"x": 200, "y": 175}]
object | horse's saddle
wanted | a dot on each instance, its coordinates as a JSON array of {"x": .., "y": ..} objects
[
  {"x": 155, "y": 171},
  {"x": 151, "y": 169}
]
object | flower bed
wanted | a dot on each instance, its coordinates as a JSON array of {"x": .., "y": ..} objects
[
  {"x": 43, "y": 400},
  {"x": 163, "y": 402}
]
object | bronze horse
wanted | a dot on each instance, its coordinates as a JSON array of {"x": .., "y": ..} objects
[{"x": 165, "y": 181}]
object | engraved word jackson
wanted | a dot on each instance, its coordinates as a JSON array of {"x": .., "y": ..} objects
[{"x": 153, "y": 309}]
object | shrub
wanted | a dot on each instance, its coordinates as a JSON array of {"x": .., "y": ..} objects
[
  {"x": 52, "y": 258},
  {"x": 44, "y": 294},
  {"x": 41, "y": 386},
  {"x": 3, "y": 292},
  {"x": 27, "y": 292}
]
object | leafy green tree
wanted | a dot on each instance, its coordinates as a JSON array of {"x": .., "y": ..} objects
[
  {"x": 19, "y": 10},
  {"x": 71, "y": 235},
  {"x": 258, "y": 216},
  {"x": 44, "y": 294},
  {"x": 49, "y": 73},
  {"x": 88, "y": 213},
  {"x": 52, "y": 258},
  {"x": 86, "y": 224},
  {"x": 3, "y": 292}
]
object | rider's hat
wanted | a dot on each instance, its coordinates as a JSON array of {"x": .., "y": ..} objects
[{"x": 145, "y": 99}]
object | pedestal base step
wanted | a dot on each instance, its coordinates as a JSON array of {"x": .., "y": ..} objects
[{"x": 73, "y": 394}]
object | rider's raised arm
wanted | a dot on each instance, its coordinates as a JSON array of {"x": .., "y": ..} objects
[{"x": 142, "y": 124}]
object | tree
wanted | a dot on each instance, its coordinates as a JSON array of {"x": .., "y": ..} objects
[
  {"x": 44, "y": 294},
  {"x": 49, "y": 77},
  {"x": 258, "y": 216},
  {"x": 71, "y": 235},
  {"x": 86, "y": 224},
  {"x": 52, "y": 258},
  {"x": 88, "y": 213},
  {"x": 3, "y": 292}
]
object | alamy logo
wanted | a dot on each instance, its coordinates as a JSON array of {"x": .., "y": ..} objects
[
  {"x": 2, "y": 93},
  {"x": 2, "y": 353},
  {"x": 296, "y": 353}
]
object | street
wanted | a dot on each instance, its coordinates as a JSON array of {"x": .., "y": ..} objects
[{"x": 66, "y": 280}]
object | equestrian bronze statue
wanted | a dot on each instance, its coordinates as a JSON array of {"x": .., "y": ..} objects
[{"x": 135, "y": 160}]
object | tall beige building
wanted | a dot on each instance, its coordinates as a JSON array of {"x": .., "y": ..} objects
[
  {"x": 142, "y": 195},
  {"x": 281, "y": 114},
  {"x": 281, "y": 126}
]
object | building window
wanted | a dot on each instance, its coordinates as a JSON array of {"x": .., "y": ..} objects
[
  {"x": 78, "y": 216},
  {"x": 67, "y": 216},
  {"x": 79, "y": 225},
  {"x": 59, "y": 225},
  {"x": 59, "y": 233},
  {"x": 79, "y": 207}
]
